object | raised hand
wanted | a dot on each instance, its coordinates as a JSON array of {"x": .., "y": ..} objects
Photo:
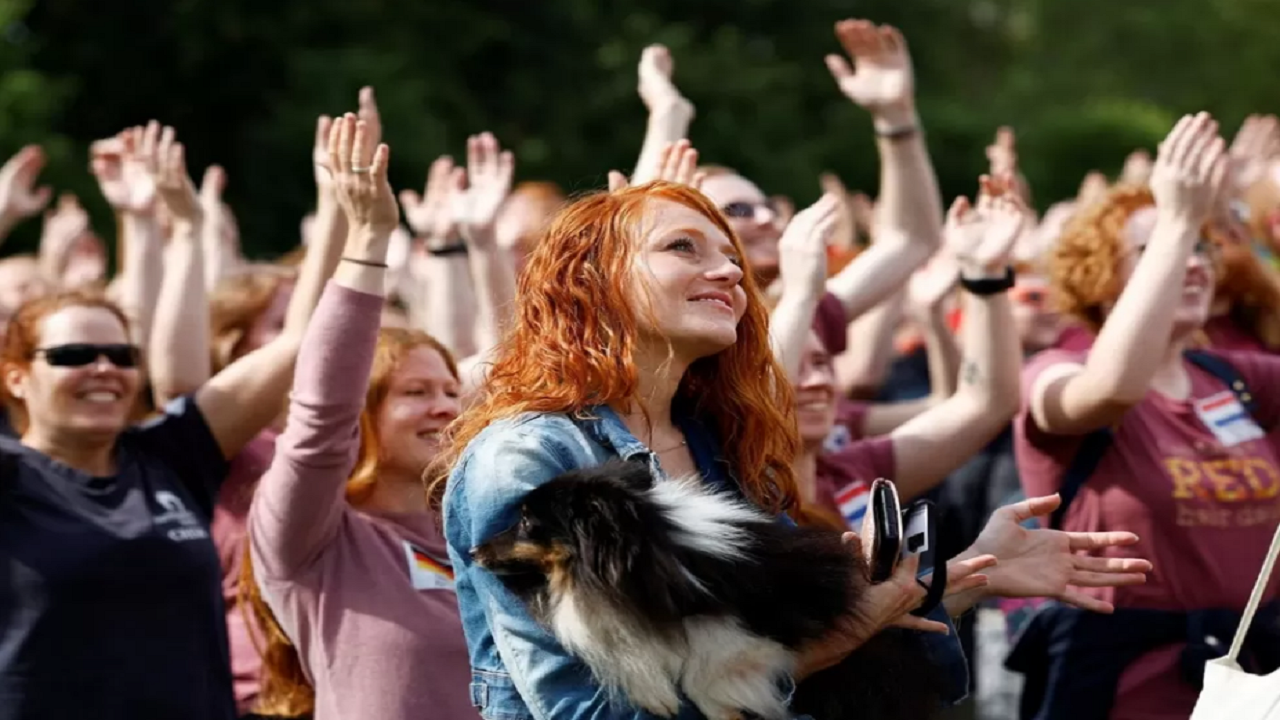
[
  {"x": 656, "y": 89},
  {"x": 121, "y": 170},
  {"x": 431, "y": 215},
  {"x": 881, "y": 79},
  {"x": 1002, "y": 154},
  {"x": 678, "y": 163},
  {"x": 1190, "y": 168},
  {"x": 64, "y": 224},
  {"x": 1254, "y": 147},
  {"x": 173, "y": 183},
  {"x": 320, "y": 155},
  {"x": 981, "y": 237},
  {"x": 19, "y": 198},
  {"x": 489, "y": 173},
  {"x": 360, "y": 178},
  {"x": 1049, "y": 563},
  {"x": 1137, "y": 168},
  {"x": 802, "y": 250}
]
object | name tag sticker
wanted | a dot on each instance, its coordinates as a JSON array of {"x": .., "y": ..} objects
[
  {"x": 1227, "y": 419},
  {"x": 425, "y": 572}
]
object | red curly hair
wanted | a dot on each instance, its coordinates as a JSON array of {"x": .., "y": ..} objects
[{"x": 572, "y": 344}]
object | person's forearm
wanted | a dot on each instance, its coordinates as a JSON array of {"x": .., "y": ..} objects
[
  {"x": 908, "y": 219},
  {"x": 909, "y": 201},
  {"x": 989, "y": 373},
  {"x": 789, "y": 325},
  {"x": 318, "y": 264},
  {"x": 1130, "y": 345},
  {"x": 864, "y": 365},
  {"x": 178, "y": 354},
  {"x": 494, "y": 277},
  {"x": 942, "y": 353},
  {"x": 447, "y": 312},
  {"x": 666, "y": 125},
  {"x": 214, "y": 250},
  {"x": 143, "y": 271}
]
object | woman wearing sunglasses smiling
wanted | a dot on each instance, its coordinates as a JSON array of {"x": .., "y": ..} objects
[{"x": 110, "y": 587}]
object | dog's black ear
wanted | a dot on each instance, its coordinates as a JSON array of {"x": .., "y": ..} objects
[{"x": 632, "y": 473}]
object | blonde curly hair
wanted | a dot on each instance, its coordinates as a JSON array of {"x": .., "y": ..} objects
[{"x": 1085, "y": 266}]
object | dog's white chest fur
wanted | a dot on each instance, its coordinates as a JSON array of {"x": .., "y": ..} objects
[
  {"x": 718, "y": 664},
  {"x": 720, "y": 667}
]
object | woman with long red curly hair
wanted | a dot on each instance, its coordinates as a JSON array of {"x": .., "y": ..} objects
[
  {"x": 1143, "y": 432},
  {"x": 636, "y": 335}
]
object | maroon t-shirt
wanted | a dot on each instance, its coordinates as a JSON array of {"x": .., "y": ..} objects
[
  {"x": 1199, "y": 483},
  {"x": 831, "y": 324},
  {"x": 845, "y": 476}
]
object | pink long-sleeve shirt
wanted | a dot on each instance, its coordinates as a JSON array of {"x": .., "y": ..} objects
[{"x": 367, "y": 600}]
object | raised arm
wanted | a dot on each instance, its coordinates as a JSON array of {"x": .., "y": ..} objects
[
  {"x": 129, "y": 184},
  {"x": 493, "y": 273},
  {"x": 669, "y": 112},
  {"x": 19, "y": 198},
  {"x": 1075, "y": 399},
  {"x": 179, "y": 349},
  {"x": 248, "y": 394},
  {"x": 446, "y": 305},
  {"x": 299, "y": 503},
  {"x": 927, "y": 293},
  {"x": 908, "y": 223},
  {"x": 325, "y": 248},
  {"x": 802, "y": 270},
  {"x": 938, "y": 441}
]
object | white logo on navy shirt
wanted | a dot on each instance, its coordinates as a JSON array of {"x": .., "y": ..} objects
[{"x": 188, "y": 526}]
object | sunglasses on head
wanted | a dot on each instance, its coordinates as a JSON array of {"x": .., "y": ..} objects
[
  {"x": 746, "y": 210},
  {"x": 81, "y": 354},
  {"x": 1029, "y": 296}
]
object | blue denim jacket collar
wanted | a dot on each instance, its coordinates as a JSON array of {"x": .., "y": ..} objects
[{"x": 603, "y": 424}]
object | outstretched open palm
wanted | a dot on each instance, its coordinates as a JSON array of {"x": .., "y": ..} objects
[
  {"x": 881, "y": 75},
  {"x": 983, "y": 235}
]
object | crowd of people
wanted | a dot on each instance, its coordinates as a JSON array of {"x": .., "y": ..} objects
[{"x": 240, "y": 489}]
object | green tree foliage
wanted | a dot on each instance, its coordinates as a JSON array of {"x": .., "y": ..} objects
[{"x": 1082, "y": 81}]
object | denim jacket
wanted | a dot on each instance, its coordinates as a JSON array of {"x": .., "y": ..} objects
[{"x": 519, "y": 670}]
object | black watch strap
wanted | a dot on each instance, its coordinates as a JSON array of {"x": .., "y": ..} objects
[{"x": 988, "y": 286}]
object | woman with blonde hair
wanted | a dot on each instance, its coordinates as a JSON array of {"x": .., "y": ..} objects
[{"x": 1140, "y": 433}]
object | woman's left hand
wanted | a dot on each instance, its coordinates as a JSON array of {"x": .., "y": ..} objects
[
  {"x": 1047, "y": 563},
  {"x": 360, "y": 176}
]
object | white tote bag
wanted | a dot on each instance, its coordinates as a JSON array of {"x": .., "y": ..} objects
[{"x": 1229, "y": 692}]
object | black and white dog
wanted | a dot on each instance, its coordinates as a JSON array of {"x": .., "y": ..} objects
[{"x": 668, "y": 589}]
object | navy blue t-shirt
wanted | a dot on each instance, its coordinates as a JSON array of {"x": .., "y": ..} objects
[{"x": 110, "y": 587}]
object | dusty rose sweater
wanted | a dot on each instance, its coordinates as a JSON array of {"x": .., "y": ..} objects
[{"x": 365, "y": 599}]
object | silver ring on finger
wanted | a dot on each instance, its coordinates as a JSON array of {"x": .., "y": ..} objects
[{"x": 359, "y": 170}]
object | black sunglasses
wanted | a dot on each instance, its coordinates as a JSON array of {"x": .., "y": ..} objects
[
  {"x": 81, "y": 354},
  {"x": 746, "y": 210}
]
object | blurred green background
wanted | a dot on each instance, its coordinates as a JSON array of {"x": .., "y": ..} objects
[{"x": 1082, "y": 81}]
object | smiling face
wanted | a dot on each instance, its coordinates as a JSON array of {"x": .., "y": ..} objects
[
  {"x": 1197, "y": 287},
  {"x": 752, "y": 218},
  {"x": 815, "y": 392},
  {"x": 686, "y": 283},
  {"x": 63, "y": 398},
  {"x": 422, "y": 398}
]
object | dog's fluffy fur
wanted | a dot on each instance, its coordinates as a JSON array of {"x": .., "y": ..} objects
[{"x": 670, "y": 588}]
